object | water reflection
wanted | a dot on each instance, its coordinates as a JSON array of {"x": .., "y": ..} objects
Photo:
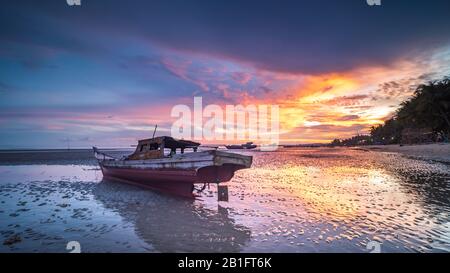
[
  {"x": 173, "y": 224},
  {"x": 296, "y": 200},
  {"x": 340, "y": 199}
]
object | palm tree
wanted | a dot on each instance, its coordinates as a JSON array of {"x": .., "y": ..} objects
[
  {"x": 428, "y": 108},
  {"x": 433, "y": 103}
]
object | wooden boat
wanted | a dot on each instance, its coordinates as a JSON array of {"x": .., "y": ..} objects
[
  {"x": 248, "y": 145},
  {"x": 155, "y": 164}
]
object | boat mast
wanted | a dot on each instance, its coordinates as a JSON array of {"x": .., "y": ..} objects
[{"x": 156, "y": 126}]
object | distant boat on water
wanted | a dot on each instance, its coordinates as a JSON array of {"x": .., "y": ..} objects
[
  {"x": 155, "y": 164},
  {"x": 248, "y": 145}
]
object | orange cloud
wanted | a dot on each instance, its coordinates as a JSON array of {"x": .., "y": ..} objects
[{"x": 340, "y": 105}]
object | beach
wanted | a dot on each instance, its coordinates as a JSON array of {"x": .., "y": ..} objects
[
  {"x": 291, "y": 200},
  {"x": 437, "y": 152}
]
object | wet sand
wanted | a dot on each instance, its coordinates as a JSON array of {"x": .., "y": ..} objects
[
  {"x": 437, "y": 152},
  {"x": 291, "y": 200}
]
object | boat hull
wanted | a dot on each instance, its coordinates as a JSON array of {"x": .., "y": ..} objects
[
  {"x": 172, "y": 182},
  {"x": 240, "y": 147},
  {"x": 176, "y": 175}
]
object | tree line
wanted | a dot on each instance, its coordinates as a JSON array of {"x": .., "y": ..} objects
[{"x": 423, "y": 118}]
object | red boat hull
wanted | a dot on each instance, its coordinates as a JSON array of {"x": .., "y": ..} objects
[{"x": 178, "y": 182}]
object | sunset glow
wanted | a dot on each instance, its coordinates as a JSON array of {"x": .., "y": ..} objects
[{"x": 96, "y": 85}]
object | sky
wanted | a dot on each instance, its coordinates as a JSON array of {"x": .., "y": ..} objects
[{"x": 104, "y": 73}]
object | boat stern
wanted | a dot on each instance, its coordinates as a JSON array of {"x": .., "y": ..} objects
[{"x": 224, "y": 166}]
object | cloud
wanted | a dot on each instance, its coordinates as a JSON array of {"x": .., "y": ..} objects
[
  {"x": 6, "y": 88},
  {"x": 401, "y": 88},
  {"x": 241, "y": 77},
  {"x": 347, "y": 100},
  {"x": 117, "y": 68},
  {"x": 289, "y": 38},
  {"x": 324, "y": 132},
  {"x": 180, "y": 70},
  {"x": 347, "y": 118}
]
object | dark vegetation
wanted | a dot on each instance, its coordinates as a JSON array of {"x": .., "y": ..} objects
[{"x": 424, "y": 118}]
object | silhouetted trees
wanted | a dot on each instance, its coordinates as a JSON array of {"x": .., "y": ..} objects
[
  {"x": 388, "y": 133},
  {"x": 428, "y": 107},
  {"x": 353, "y": 141},
  {"x": 427, "y": 112}
]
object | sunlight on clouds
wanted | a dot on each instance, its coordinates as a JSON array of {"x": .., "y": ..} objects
[
  {"x": 311, "y": 123},
  {"x": 362, "y": 97}
]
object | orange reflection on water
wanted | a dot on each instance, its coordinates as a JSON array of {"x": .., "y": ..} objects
[{"x": 336, "y": 191}]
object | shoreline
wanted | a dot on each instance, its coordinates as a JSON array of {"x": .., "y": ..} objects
[{"x": 439, "y": 152}]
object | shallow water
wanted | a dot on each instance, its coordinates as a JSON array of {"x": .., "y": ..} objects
[{"x": 291, "y": 200}]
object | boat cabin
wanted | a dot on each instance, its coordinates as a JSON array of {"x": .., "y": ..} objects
[{"x": 153, "y": 148}]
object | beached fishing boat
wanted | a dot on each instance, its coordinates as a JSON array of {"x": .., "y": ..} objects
[
  {"x": 161, "y": 163},
  {"x": 248, "y": 145}
]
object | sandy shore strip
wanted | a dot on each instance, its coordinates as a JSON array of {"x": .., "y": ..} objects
[{"x": 438, "y": 152}]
